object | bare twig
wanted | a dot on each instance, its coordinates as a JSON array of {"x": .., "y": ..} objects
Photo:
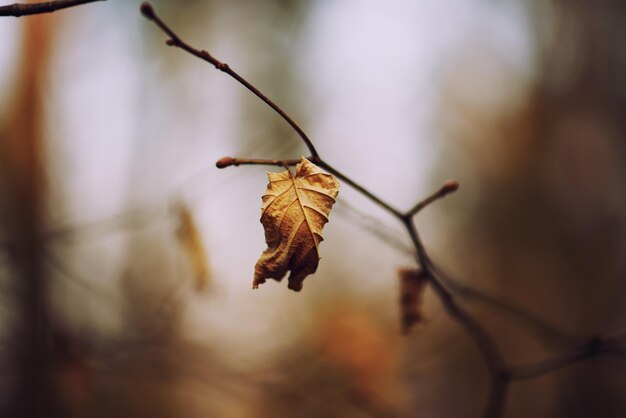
[
  {"x": 488, "y": 349},
  {"x": 148, "y": 12},
  {"x": 594, "y": 347},
  {"x": 25, "y": 9},
  {"x": 56, "y": 262},
  {"x": 476, "y": 331},
  {"x": 129, "y": 220},
  {"x": 374, "y": 226},
  {"x": 547, "y": 333},
  {"x": 229, "y": 161},
  {"x": 448, "y": 187},
  {"x": 380, "y": 202}
]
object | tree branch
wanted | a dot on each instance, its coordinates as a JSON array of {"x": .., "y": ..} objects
[
  {"x": 374, "y": 226},
  {"x": 497, "y": 395},
  {"x": 481, "y": 338},
  {"x": 229, "y": 161},
  {"x": 448, "y": 187},
  {"x": 547, "y": 333},
  {"x": 380, "y": 202},
  {"x": 592, "y": 348},
  {"x": 488, "y": 349},
  {"x": 501, "y": 375},
  {"x": 25, "y": 9},
  {"x": 148, "y": 11}
]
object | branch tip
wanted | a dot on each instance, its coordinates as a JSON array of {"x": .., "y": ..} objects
[
  {"x": 225, "y": 162},
  {"x": 147, "y": 10},
  {"x": 450, "y": 186}
]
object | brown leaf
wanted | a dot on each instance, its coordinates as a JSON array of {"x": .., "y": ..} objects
[
  {"x": 412, "y": 286},
  {"x": 191, "y": 242},
  {"x": 294, "y": 211}
]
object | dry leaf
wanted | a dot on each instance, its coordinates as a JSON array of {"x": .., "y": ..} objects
[
  {"x": 412, "y": 286},
  {"x": 191, "y": 241},
  {"x": 294, "y": 211}
]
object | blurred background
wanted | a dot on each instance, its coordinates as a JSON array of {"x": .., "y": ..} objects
[{"x": 126, "y": 257}]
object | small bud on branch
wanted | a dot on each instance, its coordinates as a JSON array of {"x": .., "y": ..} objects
[{"x": 147, "y": 10}]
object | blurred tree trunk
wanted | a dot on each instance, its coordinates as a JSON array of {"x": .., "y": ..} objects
[{"x": 22, "y": 208}]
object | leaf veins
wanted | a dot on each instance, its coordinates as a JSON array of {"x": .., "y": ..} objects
[{"x": 294, "y": 211}]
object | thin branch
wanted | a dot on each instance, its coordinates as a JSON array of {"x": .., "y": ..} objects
[
  {"x": 368, "y": 223},
  {"x": 497, "y": 395},
  {"x": 148, "y": 11},
  {"x": 539, "y": 325},
  {"x": 477, "y": 332},
  {"x": 25, "y": 9},
  {"x": 548, "y": 333},
  {"x": 229, "y": 161},
  {"x": 127, "y": 220},
  {"x": 374, "y": 226},
  {"x": 55, "y": 262},
  {"x": 595, "y": 347},
  {"x": 380, "y": 202},
  {"x": 534, "y": 370},
  {"x": 488, "y": 349},
  {"x": 448, "y": 187}
]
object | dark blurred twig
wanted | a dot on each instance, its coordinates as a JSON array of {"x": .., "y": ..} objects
[
  {"x": 25, "y": 9},
  {"x": 592, "y": 348},
  {"x": 137, "y": 218},
  {"x": 547, "y": 333},
  {"x": 58, "y": 264}
]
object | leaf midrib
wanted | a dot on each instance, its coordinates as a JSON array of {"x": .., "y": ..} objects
[{"x": 306, "y": 218}]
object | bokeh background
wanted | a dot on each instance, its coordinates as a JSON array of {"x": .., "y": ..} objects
[{"x": 126, "y": 257}]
